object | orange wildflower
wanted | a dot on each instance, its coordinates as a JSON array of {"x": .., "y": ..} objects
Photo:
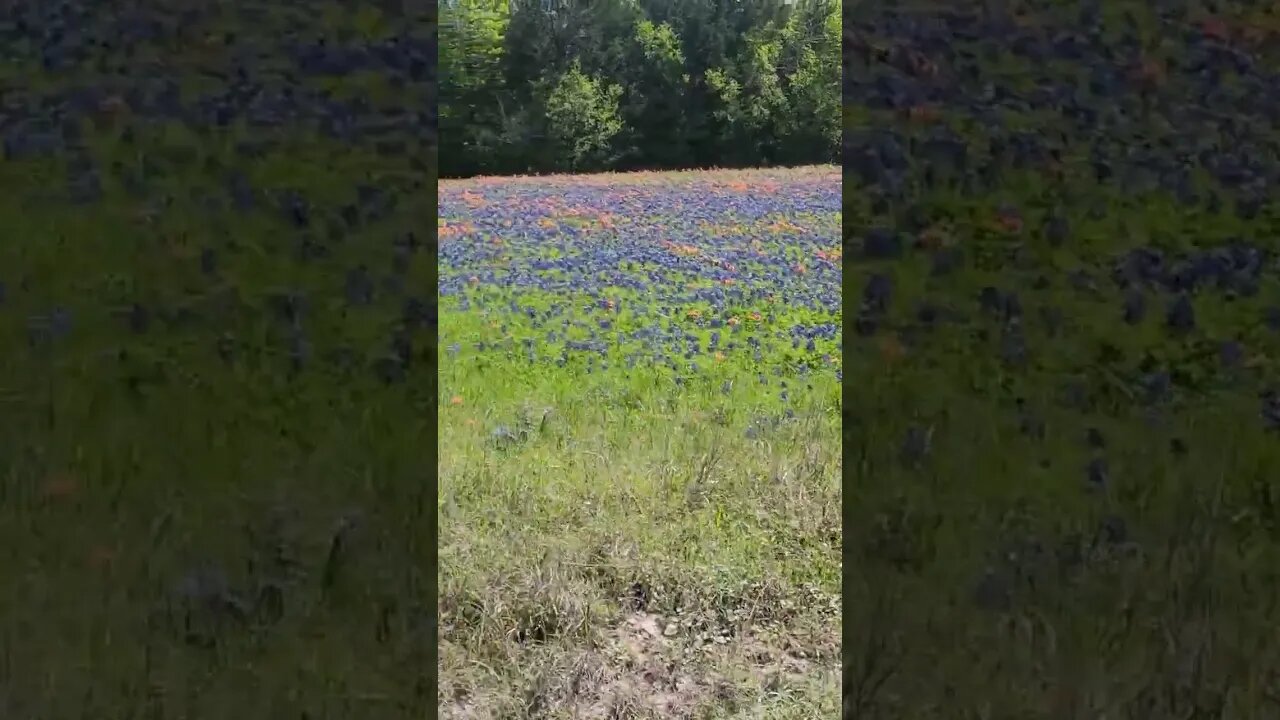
[
  {"x": 1215, "y": 29},
  {"x": 61, "y": 487},
  {"x": 101, "y": 557},
  {"x": 891, "y": 349},
  {"x": 1009, "y": 223}
]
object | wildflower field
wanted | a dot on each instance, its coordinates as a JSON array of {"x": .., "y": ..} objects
[
  {"x": 1062, "y": 397},
  {"x": 217, "y": 360},
  {"x": 639, "y": 449}
]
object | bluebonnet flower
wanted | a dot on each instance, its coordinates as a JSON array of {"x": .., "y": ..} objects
[
  {"x": 350, "y": 216},
  {"x": 139, "y": 319},
  {"x": 295, "y": 208},
  {"x": 241, "y": 192},
  {"x": 1094, "y": 439},
  {"x": 1097, "y": 473},
  {"x": 1031, "y": 425},
  {"x": 389, "y": 369},
  {"x": 59, "y": 323},
  {"x": 994, "y": 591},
  {"x": 1156, "y": 387},
  {"x": 1271, "y": 317},
  {"x": 1231, "y": 354},
  {"x": 927, "y": 313},
  {"x": 882, "y": 243},
  {"x": 290, "y": 306},
  {"x": 1135, "y": 307},
  {"x": 1181, "y": 316},
  {"x": 1113, "y": 530},
  {"x": 1270, "y": 410},
  {"x": 877, "y": 294},
  {"x": 299, "y": 350},
  {"x": 1053, "y": 320},
  {"x": 208, "y": 261},
  {"x": 917, "y": 444},
  {"x": 359, "y": 286},
  {"x": 990, "y": 300},
  {"x": 1013, "y": 344},
  {"x": 946, "y": 261},
  {"x": 225, "y": 348}
]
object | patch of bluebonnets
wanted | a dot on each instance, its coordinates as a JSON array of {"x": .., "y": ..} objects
[{"x": 583, "y": 291}]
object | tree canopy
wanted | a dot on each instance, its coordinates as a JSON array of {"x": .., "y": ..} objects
[{"x": 533, "y": 86}]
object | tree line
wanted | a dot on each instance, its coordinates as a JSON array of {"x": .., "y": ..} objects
[{"x": 536, "y": 86}]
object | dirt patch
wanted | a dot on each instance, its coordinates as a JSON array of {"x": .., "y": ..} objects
[
  {"x": 649, "y": 666},
  {"x": 646, "y": 673}
]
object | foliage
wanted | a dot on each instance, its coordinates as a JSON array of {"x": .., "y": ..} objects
[
  {"x": 582, "y": 118},
  {"x": 695, "y": 84}
]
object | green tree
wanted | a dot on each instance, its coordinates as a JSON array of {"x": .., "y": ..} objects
[
  {"x": 810, "y": 75},
  {"x": 582, "y": 117},
  {"x": 472, "y": 115},
  {"x": 553, "y": 85},
  {"x": 656, "y": 85}
]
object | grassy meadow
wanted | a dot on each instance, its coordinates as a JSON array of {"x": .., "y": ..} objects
[
  {"x": 216, "y": 363},
  {"x": 1064, "y": 322},
  {"x": 639, "y": 453}
]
